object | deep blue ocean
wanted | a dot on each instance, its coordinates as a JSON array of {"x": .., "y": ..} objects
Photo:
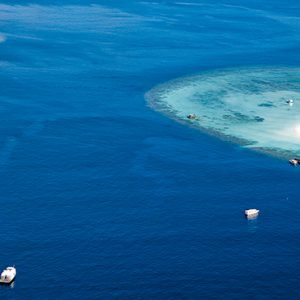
[{"x": 104, "y": 198}]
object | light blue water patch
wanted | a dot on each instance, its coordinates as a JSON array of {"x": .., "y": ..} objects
[{"x": 248, "y": 105}]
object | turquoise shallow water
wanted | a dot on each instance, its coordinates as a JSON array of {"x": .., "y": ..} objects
[{"x": 249, "y": 105}]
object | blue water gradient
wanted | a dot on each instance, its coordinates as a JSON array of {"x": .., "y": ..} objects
[{"x": 104, "y": 198}]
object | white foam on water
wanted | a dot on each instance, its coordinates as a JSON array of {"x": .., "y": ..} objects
[{"x": 246, "y": 104}]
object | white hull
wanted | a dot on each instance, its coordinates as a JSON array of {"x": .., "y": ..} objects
[
  {"x": 251, "y": 213},
  {"x": 8, "y": 275}
]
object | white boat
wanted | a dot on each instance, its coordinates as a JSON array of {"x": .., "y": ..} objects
[
  {"x": 8, "y": 275},
  {"x": 192, "y": 116},
  {"x": 294, "y": 161},
  {"x": 290, "y": 101},
  {"x": 251, "y": 213}
]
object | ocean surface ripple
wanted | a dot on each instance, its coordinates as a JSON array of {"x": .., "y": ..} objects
[{"x": 104, "y": 198}]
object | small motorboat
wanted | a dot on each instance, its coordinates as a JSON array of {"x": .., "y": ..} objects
[
  {"x": 8, "y": 275},
  {"x": 251, "y": 213},
  {"x": 192, "y": 116},
  {"x": 290, "y": 101},
  {"x": 294, "y": 161}
]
